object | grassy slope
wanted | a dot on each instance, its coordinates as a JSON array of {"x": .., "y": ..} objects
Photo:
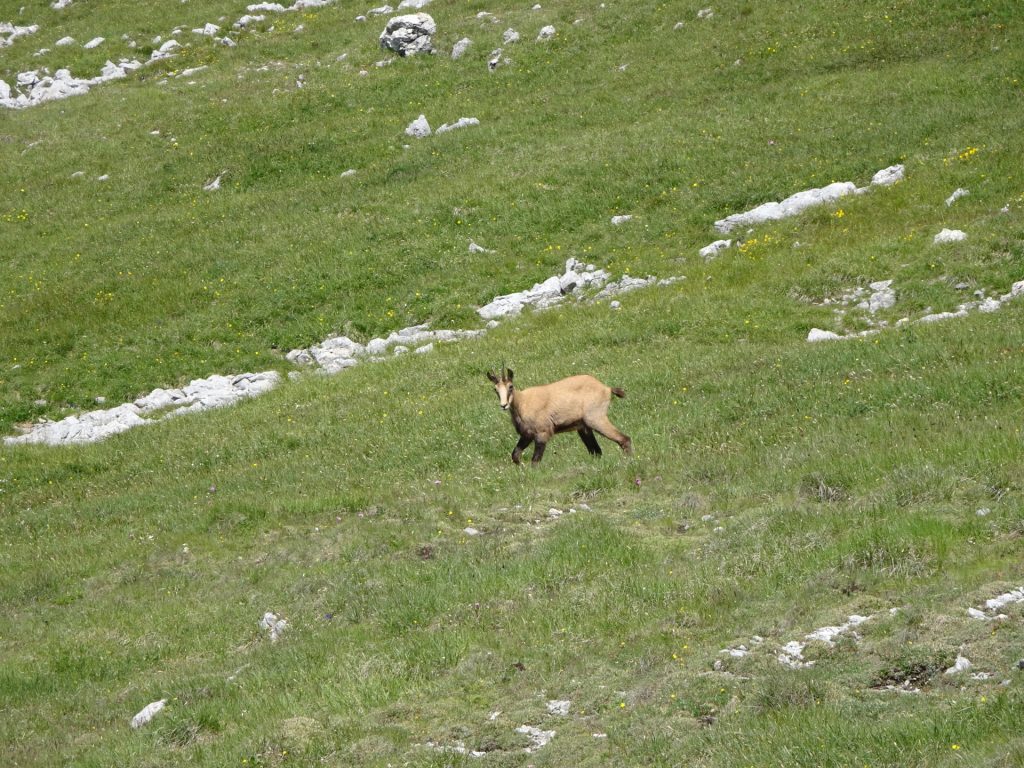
[{"x": 340, "y": 502}]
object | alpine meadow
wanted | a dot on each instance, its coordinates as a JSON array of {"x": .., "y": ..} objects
[{"x": 257, "y": 504}]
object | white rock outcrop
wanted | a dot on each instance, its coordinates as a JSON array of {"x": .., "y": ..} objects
[
  {"x": 808, "y": 198},
  {"x": 31, "y": 89},
  {"x": 462, "y": 122},
  {"x": 791, "y": 206},
  {"x": 199, "y": 395}
]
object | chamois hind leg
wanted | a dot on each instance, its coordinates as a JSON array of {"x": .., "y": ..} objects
[
  {"x": 603, "y": 426},
  {"x": 521, "y": 446},
  {"x": 587, "y": 436}
]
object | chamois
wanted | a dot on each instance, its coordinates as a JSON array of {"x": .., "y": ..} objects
[{"x": 577, "y": 403}]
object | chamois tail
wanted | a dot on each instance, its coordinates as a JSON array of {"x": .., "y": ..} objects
[{"x": 618, "y": 391}]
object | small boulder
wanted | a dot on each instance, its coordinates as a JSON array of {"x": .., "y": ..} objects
[
  {"x": 419, "y": 128},
  {"x": 409, "y": 35},
  {"x": 459, "y": 49}
]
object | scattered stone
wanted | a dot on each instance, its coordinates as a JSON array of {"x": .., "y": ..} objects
[
  {"x": 679, "y": 25},
  {"x": 96, "y": 42},
  {"x": 147, "y": 713},
  {"x": 792, "y": 653},
  {"x": 60, "y": 5},
  {"x": 474, "y": 248},
  {"x": 546, "y": 294},
  {"x": 462, "y": 122},
  {"x": 546, "y": 33},
  {"x": 460, "y": 48},
  {"x": 737, "y": 653},
  {"x": 248, "y": 19},
  {"x": 950, "y": 236},
  {"x": 957, "y": 194},
  {"x": 709, "y": 252},
  {"x": 348, "y": 173},
  {"x": 33, "y": 89},
  {"x": 65, "y": 41},
  {"x": 409, "y": 35},
  {"x": 425, "y": 349},
  {"x": 213, "y": 186},
  {"x": 615, "y": 304},
  {"x": 617, "y": 220},
  {"x": 962, "y": 664},
  {"x": 888, "y": 176},
  {"x": 625, "y": 284},
  {"x": 882, "y": 297},
  {"x": 705, "y": 13},
  {"x": 495, "y": 60},
  {"x": 9, "y": 32},
  {"x": 983, "y": 512},
  {"x": 165, "y": 51},
  {"x": 274, "y": 626},
  {"x": 510, "y": 36},
  {"x": 470, "y": 531},
  {"x": 414, "y": 4},
  {"x": 418, "y": 128},
  {"x": 538, "y": 738},
  {"x": 1007, "y": 598},
  {"x": 559, "y": 708},
  {"x": 298, "y": 5},
  {"x": 208, "y": 30}
]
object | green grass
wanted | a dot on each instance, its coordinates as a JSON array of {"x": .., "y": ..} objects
[{"x": 844, "y": 477}]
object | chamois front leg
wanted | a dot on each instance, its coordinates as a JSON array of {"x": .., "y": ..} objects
[
  {"x": 521, "y": 446},
  {"x": 538, "y": 451}
]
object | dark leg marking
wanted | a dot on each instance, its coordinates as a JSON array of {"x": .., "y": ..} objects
[
  {"x": 521, "y": 446},
  {"x": 587, "y": 436},
  {"x": 538, "y": 452}
]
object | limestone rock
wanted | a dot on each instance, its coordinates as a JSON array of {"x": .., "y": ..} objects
[
  {"x": 418, "y": 128},
  {"x": 888, "y": 176},
  {"x": 459, "y": 49},
  {"x": 462, "y": 122},
  {"x": 950, "y": 236},
  {"x": 409, "y": 35},
  {"x": 791, "y": 206}
]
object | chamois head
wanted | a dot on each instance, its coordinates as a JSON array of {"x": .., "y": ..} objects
[{"x": 503, "y": 386}]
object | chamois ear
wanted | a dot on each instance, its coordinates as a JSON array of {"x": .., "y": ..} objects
[
  {"x": 492, "y": 377},
  {"x": 509, "y": 371}
]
